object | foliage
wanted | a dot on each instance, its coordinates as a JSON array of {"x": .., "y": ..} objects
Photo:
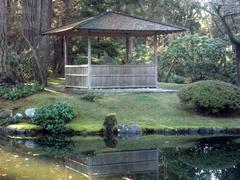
[
  {"x": 9, "y": 121},
  {"x": 20, "y": 64},
  {"x": 18, "y": 91},
  {"x": 54, "y": 117},
  {"x": 197, "y": 58},
  {"x": 211, "y": 96},
  {"x": 89, "y": 96},
  {"x": 55, "y": 146},
  {"x": 174, "y": 78}
]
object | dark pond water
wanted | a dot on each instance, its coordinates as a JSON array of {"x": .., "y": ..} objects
[{"x": 147, "y": 157}]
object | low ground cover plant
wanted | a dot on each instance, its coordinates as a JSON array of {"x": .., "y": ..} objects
[
  {"x": 211, "y": 97},
  {"x": 18, "y": 91},
  {"x": 89, "y": 96}
]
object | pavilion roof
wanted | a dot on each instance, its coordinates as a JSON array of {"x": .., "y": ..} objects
[{"x": 115, "y": 24}]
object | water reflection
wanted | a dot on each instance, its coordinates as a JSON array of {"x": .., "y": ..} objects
[
  {"x": 136, "y": 164},
  {"x": 211, "y": 158},
  {"x": 151, "y": 157}
]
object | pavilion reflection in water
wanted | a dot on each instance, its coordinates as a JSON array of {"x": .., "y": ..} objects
[{"x": 137, "y": 163}]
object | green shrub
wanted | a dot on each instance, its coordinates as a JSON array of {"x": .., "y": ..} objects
[
  {"x": 211, "y": 97},
  {"x": 89, "y": 96},
  {"x": 19, "y": 91},
  {"x": 54, "y": 117}
]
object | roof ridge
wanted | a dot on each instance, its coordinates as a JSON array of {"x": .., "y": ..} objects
[
  {"x": 141, "y": 18},
  {"x": 84, "y": 23}
]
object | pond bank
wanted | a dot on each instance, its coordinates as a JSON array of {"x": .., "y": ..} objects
[{"x": 145, "y": 131}]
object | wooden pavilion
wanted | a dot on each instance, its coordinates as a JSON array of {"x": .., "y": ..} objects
[{"x": 112, "y": 24}]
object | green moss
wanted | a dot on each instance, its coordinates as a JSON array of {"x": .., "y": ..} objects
[
  {"x": 111, "y": 117},
  {"x": 24, "y": 126}
]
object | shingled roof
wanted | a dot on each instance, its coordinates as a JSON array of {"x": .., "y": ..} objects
[{"x": 114, "y": 23}]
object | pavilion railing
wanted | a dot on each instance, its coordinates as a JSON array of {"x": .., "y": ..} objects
[{"x": 111, "y": 76}]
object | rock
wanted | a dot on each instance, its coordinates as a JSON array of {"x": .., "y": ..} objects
[
  {"x": 193, "y": 131},
  {"x": 133, "y": 129},
  {"x": 204, "y": 131},
  {"x": 233, "y": 131},
  {"x": 170, "y": 132},
  {"x": 217, "y": 131},
  {"x": 159, "y": 131},
  {"x": 30, "y": 112},
  {"x": 123, "y": 129},
  {"x": 6, "y": 113},
  {"x": 182, "y": 131},
  {"x": 18, "y": 116}
]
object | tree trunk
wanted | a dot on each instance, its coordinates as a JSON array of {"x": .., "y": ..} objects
[
  {"x": 233, "y": 38},
  {"x": 3, "y": 38},
  {"x": 236, "y": 48},
  {"x": 67, "y": 11},
  {"x": 36, "y": 19},
  {"x": 44, "y": 43},
  {"x": 58, "y": 64}
]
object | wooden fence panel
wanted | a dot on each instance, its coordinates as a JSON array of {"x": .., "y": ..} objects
[
  {"x": 111, "y": 76},
  {"x": 76, "y": 76}
]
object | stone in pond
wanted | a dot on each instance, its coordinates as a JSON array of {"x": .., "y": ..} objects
[
  {"x": 6, "y": 113},
  {"x": 133, "y": 129},
  {"x": 123, "y": 129},
  {"x": 30, "y": 112}
]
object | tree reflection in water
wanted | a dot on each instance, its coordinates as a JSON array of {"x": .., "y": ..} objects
[{"x": 211, "y": 158}]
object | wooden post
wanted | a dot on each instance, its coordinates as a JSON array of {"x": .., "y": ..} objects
[
  {"x": 89, "y": 62},
  {"x": 127, "y": 49},
  {"x": 155, "y": 58},
  {"x": 65, "y": 49}
]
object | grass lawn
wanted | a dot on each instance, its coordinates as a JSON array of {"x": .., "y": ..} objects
[{"x": 148, "y": 110}]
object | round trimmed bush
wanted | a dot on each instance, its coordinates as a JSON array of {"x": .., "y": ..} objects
[{"x": 211, "y": 97}]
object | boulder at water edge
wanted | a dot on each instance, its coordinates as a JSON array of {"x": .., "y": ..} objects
[{"x": 30, "y": 112}]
